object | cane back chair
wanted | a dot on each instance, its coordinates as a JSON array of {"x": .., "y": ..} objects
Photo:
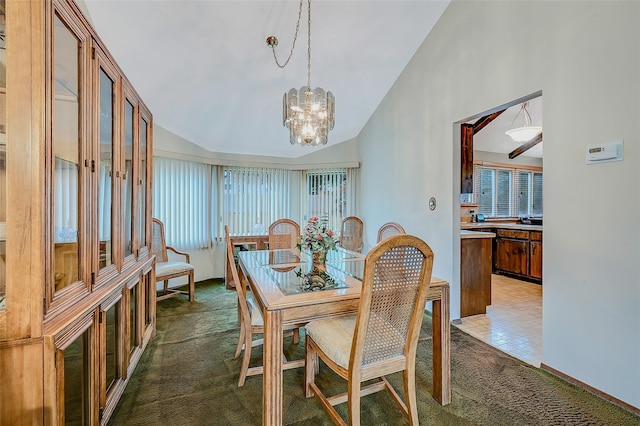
[
  {"x": 166, "y": 270},
  {"x": 382, "y": 337},
  {"x": 389, "y": 229},
  {"x": 251, "y": 322},
  {"x": 351, "y": 234},
  {"x": 283, "y": 234}
]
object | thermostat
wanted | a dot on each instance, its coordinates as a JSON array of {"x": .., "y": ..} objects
[{"x": 604, "y": 152}]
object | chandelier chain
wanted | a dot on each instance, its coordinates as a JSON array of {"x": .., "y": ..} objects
[
  {"x": 309, "y": 45},
  {"x": 295, "y": 38},
  {"x": 308, "y": 113}
]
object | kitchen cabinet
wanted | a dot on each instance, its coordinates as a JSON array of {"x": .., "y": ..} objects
[
  {"x": 535, "y": 255},
  {"x": 512, "y": 253},
  {"x": 519, "y": 253},
  {"x": 77, "y": 284},
  {"x": 475, "y": 272}
]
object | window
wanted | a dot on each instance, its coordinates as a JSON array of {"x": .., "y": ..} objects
[
  {"x": 196, "y": 200},
  {"x": 326, "y": 196},
  {"x": 182, "y": 193},
  {"x": 253, "y": 198},
  {"x": 507, "y": 192},
  {"x": 529, "y": 193}
]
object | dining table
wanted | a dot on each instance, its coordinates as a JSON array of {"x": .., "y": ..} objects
[{"x": 289, "y": 289}]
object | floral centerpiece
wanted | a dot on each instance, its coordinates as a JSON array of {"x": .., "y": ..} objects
[{"x": 318, "y": 239}]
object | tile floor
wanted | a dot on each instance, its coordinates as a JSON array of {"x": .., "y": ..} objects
[{"x": 513, "y": 322}]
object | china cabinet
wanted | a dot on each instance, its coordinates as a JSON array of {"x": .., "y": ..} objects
[{"x": 77, "y": 294}]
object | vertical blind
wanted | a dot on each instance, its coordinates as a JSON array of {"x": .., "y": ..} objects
[
  {"x": 182, "y": 201},
  {"x": 329, "y": 195},
  {"x": 104, "y": 202},
  {"x": 196, "y": 200},
  {"x": 253, "y": 198},
  {"x": 65, "y": 201}
]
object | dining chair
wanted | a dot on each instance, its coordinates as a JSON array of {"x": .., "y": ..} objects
[
  {"x": 283, "y": 234},
  {"x": 382, "y": 337},
  {"x": 389, "y": 229},
  {"x": 351, "y": 233},
  {"x": 251, "y": 322},
  {"x": 166, "y": 269}
]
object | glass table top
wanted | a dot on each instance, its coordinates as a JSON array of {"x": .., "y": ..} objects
[
  {"x": 277, "y": 257},
  {"x": 305, "y": 278},
  {"x": 294, "y": 272}
]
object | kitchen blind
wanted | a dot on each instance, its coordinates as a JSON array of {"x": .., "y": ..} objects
[
  {"x": 537, "y": 194},
  {"x": 523, "y": 191},
  {"x": 504, "y": 190},
  {"x": 507, "y": 192}
]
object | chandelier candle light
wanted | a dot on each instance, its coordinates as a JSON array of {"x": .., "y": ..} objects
[{"x": 308, "y": 113}]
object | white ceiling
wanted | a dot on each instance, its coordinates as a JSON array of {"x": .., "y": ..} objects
[{"x": 204, "y": 70}]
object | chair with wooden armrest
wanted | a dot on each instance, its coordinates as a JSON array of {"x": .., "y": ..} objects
[
  {"x": 283, "y": 234},
  {"x": 166, "y": 270},
  {"x": 382, "y": 338},
  {"x": 389, "y": 229},
  {"x": 251, "y": 322},
  {"x": 351, "y": 234}
]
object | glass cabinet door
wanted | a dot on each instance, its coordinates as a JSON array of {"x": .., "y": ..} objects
[
  {"x": 104, "y": 208},
  {"x": 142, "y": 200},
  {"x": 66, "y": 149},
  {"x": 127, "y": 225},
  {"x": 3, "y": 158},
  {"x": 111, "y": 362}
]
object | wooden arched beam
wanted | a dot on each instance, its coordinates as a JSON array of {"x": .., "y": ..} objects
[{"x": 525, "y": 146}]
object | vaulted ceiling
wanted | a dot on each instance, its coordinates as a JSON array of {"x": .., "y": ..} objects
[{"x": 204, "y": 70}]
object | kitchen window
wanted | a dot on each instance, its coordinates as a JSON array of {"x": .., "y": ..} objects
[{"x": 507, "y": 191}]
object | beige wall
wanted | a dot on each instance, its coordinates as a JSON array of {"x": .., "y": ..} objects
[{"x": 585, "y": 58}]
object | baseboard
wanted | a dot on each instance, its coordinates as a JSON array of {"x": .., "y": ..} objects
[{"x": 591, "y": 389}]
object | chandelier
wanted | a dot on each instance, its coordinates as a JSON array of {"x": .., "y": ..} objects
[
  {"x": 308, "y": 113},
  {"x": 527, "y": 131}
]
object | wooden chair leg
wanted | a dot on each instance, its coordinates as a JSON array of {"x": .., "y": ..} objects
[
  {"x": 296, "y": 335},
  {"x": 192, "y": 287},
  {"x": 310, "y": 368},
  {"x": 410, "y": 394},
  {"x": 166, "y": 286},
  {"x": 240, "y": 340},
  {"x": 354, "y": 402},
  {"x": 246, "y": 357}
]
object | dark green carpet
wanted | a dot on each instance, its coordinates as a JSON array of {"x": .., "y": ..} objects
[{"x": 188, "y": 376}]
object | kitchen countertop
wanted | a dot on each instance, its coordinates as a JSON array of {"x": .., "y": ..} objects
[
  {"x": 501, "y": 225},
  {"x": 476, "y": 234}
]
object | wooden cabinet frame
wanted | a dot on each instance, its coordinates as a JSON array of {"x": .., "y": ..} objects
[
  {"x": 39, "y": 323},
  {"x": 102, "y": 63}
]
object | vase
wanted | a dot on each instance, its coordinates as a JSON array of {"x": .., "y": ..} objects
[{"x": 319, "y": 257}]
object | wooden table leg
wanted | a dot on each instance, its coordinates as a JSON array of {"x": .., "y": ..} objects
[
  {"x": 442, "y": 349},
  {"x": 272, "y": 370}
]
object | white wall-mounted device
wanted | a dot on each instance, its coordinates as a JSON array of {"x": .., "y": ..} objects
[{"x": 605, "y": 152}]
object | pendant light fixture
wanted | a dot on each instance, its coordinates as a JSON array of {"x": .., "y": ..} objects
[
  {"x": 308, "y": 113},
  {"x": 527, "y": 131}
]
